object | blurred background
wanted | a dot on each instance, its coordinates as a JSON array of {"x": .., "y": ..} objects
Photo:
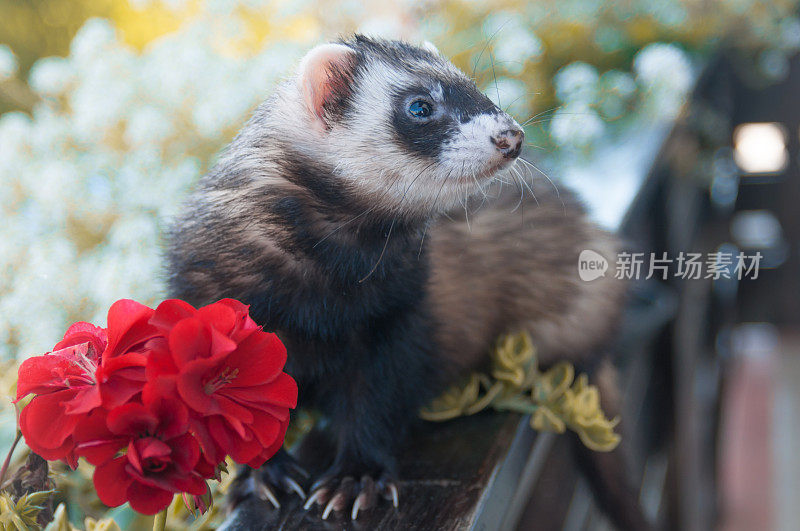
[{"x": 676, "y": 120}]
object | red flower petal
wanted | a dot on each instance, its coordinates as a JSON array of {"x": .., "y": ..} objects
[
  {"x": 185, "y": 452},
  {"x": 121, "y": 378},
  {"x": 189, "y": 340},
  {"x": 191, "y": 383},
  {"x": 283, "y": 391},
  {"x": 211, "y": 452},
  {"x": 241, "y": 449},
  {"x": 221, "y": 345},
  {"x": 128, "y": 326},
  {"x": 129, "y": 362},
  {"x": 131, "y": 419},
  {"x": 237, "y": 413},
  {"x": 259, "y": 358},
  {"x": 280, "y": 413},
  {"x": 111, "y": 481},
  {"x": 43, "y": 422},
  {"x": 220, "y": 316},
  {"x": 220, "y": 432},
  {"x": 64, "y": 452},
  {"x": 271, "y": 450},
  {"x": 152, "y": 447},
  {"x": 147, "y": 499},
  {"x": 134, "y": 459},
  {"x": 160, "y": 387},
  {"x": 244, "y": 323},
  {"x": 81, "y": 332},
  {"x": 159, "y": 360},
  {"x": 244, "y": 450},
  {"x": 173, "y": 418},
  {"x": 86, "y": 399},
  {"x": 254, "y": 395},
  {"x": 118, "y": 389},
  {"x": 39, "y": 375},
  {"x": 266, "y": 428},
  {"x": 169, "y": 312},
  {"x": 192, "y": 484},
  {"x": 94, "y": 441}
]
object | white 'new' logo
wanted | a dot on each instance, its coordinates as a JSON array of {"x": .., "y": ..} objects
[{"x": 591, "y": 265}]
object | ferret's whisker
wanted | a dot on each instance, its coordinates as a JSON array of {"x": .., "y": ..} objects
[
  {"x": 531, "y": 144},
  {"x": 466, "y": 210},
  {"x": 488, "y": 42},
  {"x": 553, "y": 184},
  {"x": 521, "y": 191},
  {"x": 545, "y": 119},
  {"x": 380, "y": 257},
  {"x": 494, "y": 75},
  {"x": 522, "y": 179},
  {"x": 394, "y": 220},
  {"x": 551, "y": 110}
]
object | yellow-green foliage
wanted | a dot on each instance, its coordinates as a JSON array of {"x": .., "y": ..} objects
[
  {"x": 61, "y": 523},
  {"x": 21, "y": 515},
  {"x": 554, "y": 398}
]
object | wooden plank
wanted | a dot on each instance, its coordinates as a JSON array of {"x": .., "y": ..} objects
[{"x": 448, "y": 473}]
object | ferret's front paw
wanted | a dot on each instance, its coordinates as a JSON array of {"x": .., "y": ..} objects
[
  {"x": 281, "y": 474},
  {"x": 340, "y": 492}
]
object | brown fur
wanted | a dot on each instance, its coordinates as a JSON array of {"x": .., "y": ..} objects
[{"x": 514, "y": 267}]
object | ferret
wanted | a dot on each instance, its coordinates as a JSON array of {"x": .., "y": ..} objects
[{"x": 366, "y": 213}]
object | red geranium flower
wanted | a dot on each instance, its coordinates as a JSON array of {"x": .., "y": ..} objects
[
  {"x": 159, "y": 455},
  {"x": 229, "y": 373},
  {"x": 158, "y": 399},
  {"x": 90, "y": 367}
]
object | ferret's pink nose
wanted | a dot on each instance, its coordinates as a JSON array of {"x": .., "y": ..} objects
[{"x": 509, "y": 142}]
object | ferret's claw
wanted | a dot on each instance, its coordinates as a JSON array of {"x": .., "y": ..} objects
[
  {"x": 278, "y": 477},
  {"x": 283, "y": 473},
  {"x": 395, "y": 497},
  {"x": 346, "y": 490},
  {"x": 365, "y": 499},
  {"x": 328, "y": 509},
  {"x": 316, "y": 495},
  {"x": 294, "y": 486},
  {"x": 356, "y": 505},
  {"x": 267, "y": 495}
]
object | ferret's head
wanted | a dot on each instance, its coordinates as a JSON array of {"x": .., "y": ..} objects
[{"x": 402, "y": 125}]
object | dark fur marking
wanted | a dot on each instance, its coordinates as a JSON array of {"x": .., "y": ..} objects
[
  {"x": 425, "y": 137},
  {"x": 466, "y": 101}
]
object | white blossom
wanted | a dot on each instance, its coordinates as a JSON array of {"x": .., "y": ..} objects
[
  {"x": 665, "y": 73},
  {"x": 8, "y": 62},
  {"x": 576, "y": 125},
  {"x": 577, "y": 82},
  {"x": 50, "y": 76}
]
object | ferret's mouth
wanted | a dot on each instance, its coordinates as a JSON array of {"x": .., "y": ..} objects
[
  {"x": 483, "y": 175},
  {"x": 496, "y": 166}
]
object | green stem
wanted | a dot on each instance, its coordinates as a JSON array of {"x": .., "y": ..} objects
[
  {"x": 160, "y": 521},
  {"x": 8, "y": 457}
]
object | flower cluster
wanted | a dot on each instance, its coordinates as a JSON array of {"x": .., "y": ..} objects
[{"x": 157, "y": 400}]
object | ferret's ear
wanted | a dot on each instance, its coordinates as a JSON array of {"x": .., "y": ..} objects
[
  {"x": 428, "y": 45},
  {"x": 325, "y": 76}
]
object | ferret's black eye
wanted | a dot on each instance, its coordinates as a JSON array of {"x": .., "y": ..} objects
[{"x": 420, "y": 109}]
